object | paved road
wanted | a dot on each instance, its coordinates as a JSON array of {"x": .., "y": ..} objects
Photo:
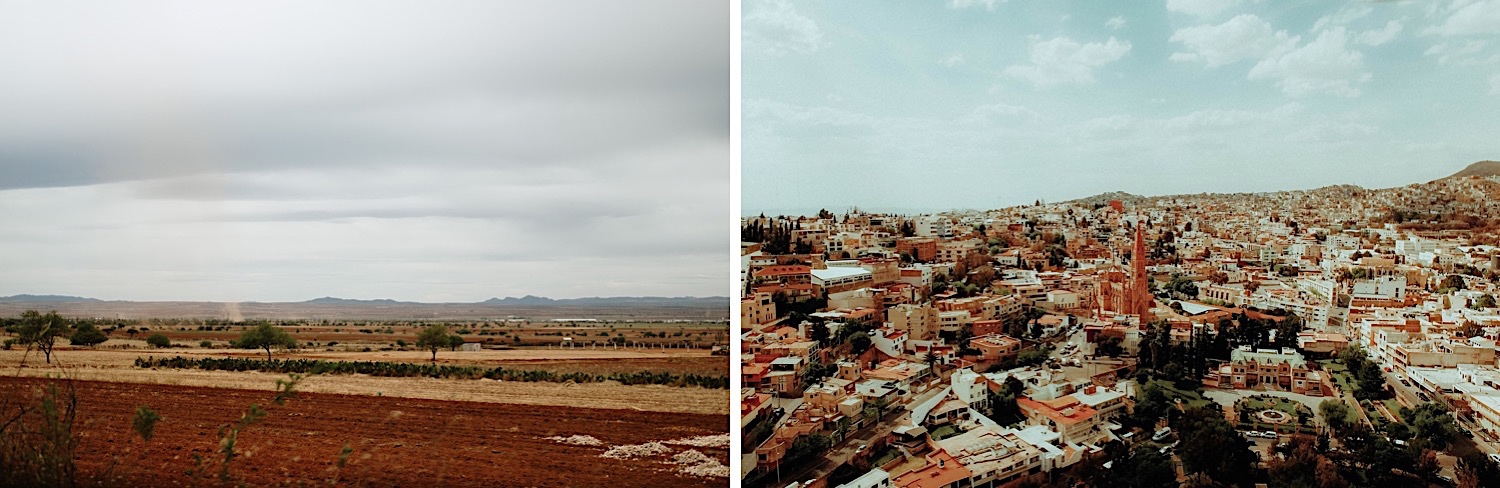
[
  {"x": 842, "y": 452},
  {"x": 1407, "y": 395}
]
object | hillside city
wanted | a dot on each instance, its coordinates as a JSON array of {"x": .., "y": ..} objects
[{"x": 1326, "y": 338}]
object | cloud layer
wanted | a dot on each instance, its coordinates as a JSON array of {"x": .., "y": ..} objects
[{"x": 284, "y": 150}]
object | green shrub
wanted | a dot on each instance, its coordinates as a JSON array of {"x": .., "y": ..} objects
[{"x": 158, "y": 341}]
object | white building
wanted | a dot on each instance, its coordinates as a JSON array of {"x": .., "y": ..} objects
[
  {"x": 876, "y": 478},
  {"x": 836, "y": 276},
  {"x": 1391, "y": 287}
]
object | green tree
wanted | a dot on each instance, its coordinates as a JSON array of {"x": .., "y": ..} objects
[
  {"x": 1145, "y": 466},
  {"x": 1151, "y": 405},
  {"x": 42, "y": 331},
  {"x": 158, "y": 340},
  {"x": 1287, "y": 330},
  {"x": 265, "y": 336},
  {"x": 454, "y": 341},
  {"x": 1109, "y": 346},
  {"x": 433, "y": 338},
  {"x": 818, "y": 332},
  {"x": 1431, "y": 422},
  {"x": 859, "y": 342},
  {"x": 87, "y": 335},
  {"x": 1298, "y": 468},
  {"x": 1453, "y": 282},
  {"x": 145, "y": 422},
  {"x": 1335, "y": 412},
  {"x": 1211, "y": 445},
  {"x": 807, "y": 446},
  {"x": 1474, "y": 469}
]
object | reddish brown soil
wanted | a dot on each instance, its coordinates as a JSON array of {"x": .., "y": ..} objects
[{"x": 396, "y": 441}]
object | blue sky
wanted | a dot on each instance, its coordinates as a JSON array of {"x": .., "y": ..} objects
[{"x": 983, "y": 104}]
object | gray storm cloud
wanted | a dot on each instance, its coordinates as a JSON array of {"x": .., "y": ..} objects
[{"x": 445, "y": 151}]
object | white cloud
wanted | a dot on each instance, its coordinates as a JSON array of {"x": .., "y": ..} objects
[
  {"x": 1495, "y": 84},
  {"x": 1376, "y": 37},
  {"x": 1001, "y": 111},
  {"x": 1470, "y": 18},
  {"x": 1465, "y": 54},
  {"x": 1214, "y": 119},
  {"x": 1109, "y": 126},
  {"x": 1200, "y": 8},
  {"x": 1325, "y": 65},
  {"x": 767, "y": 112},
  {"x": 952, "y": 60},
  {"x": 1116, "y": 22},
  {"x": 774, "y": 27},
  {"x": 987, "y": 4},
  {"x": 1332, "y": 132},
  {"x": 1062, "y": 60},
  {"x": 1243, "y": 37},
  {"x": 1343, "y": 17}
]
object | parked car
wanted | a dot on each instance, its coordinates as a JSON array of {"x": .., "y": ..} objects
[
  {"x": 1495, "y": 458},
  {"x": 1161, "y": 433}
]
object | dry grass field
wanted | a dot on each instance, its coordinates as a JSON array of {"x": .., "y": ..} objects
[{"x": 117, "y": 365}]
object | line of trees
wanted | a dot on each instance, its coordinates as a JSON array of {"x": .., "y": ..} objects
[
  {"x": 1369, "y": 383},
  {"x": 395, "y": 369},
  {"x": 42, "y": 331}
]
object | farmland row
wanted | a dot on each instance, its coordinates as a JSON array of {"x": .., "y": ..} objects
[{"x": 397, "y": 369}]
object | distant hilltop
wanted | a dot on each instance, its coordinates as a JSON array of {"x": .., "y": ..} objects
[
  {"x": 1105, "y": 198},
  {"x": 1483, "y": 169}
]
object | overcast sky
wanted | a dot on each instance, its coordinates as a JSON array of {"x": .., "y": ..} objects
[
  {"x": 431, "y": 151},
  {"x": 987, "y": 103}
]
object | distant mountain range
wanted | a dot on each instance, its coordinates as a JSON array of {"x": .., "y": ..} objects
[
  {"x": 1486, "y": 172},
  {"x": 530, "y": 300},
  {"x": 48, "y": 299},
  {"x": 527, "y": 301}
]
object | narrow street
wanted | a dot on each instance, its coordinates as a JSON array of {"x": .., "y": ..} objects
[{"x": 842, "y": 452}]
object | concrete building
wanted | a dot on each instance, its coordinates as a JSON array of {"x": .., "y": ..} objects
[
  {"x": 987, "y": 456},
  {"x": 1079, "y": 418},
  {"x": 757, "y": 309},
  {"x": 995, "y": 348},
  {"x": 842, "y": 279},
  {"x": 919, "y": 321}
]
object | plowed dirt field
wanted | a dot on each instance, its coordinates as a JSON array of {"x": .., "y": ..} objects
[{"x": 395, "y": 441}]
